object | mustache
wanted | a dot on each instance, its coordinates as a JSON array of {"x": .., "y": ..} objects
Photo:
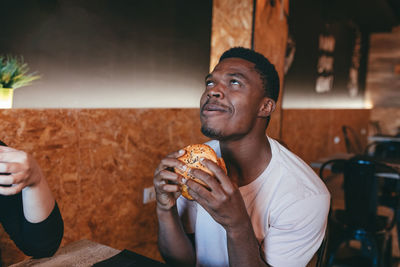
[{"x": 215, "y": 104}]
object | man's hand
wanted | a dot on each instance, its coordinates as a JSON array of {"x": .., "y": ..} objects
[
  {"x": 173, "y": 243},
  {"x": 18, "y": 171},
  {"x": 226, "y": 205},
  {"x": 224, "y": 202},
  {"x": 166, "y": 181}
]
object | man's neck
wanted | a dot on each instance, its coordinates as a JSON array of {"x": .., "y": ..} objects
[{"x": 246, "y": 158}]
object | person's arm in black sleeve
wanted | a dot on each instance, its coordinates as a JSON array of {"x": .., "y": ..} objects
[
  {"x": 35, "y": 213},
  {"x": 33, "y": 239},
  {"x": 44, "y": 238}
]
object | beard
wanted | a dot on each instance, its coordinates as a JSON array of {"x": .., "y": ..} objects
[{"x": 211, "y": 133}]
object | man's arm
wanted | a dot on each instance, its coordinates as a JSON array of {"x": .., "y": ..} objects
[
  {"x": 225, "y": 204},
  {"x": 243, "y": 247},
  {"x": 174, "y": 245}
]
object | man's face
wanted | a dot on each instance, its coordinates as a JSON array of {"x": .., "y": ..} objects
[{"x": 231, "y": 101}]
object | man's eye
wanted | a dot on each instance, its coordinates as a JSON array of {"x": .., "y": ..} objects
[
  {"x": 235, "y": 82},
  {"x": 209, "y": 83}
]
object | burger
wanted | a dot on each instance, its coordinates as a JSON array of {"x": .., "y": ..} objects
[{"x": 192, "y": 159}]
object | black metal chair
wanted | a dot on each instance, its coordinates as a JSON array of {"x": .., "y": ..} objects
[
  {"x": 387, "y": 150},
  {"x": 383, "y": 150},
  {"x": 352, "y": 140},
  {"x": 376, "y": 127},
  {"x": 359, "y": 221}
]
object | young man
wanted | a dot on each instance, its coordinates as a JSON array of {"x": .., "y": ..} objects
[
  {"x": 28, "y": 210},
  {"x": 271, "y": 208}
]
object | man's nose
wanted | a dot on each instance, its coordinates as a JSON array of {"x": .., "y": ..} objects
[{"x": 215, "y": 92}]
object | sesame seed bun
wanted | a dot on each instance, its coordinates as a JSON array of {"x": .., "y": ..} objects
[{"x": 192, "y": 159}]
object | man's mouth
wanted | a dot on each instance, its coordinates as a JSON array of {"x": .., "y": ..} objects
[{"x": 213, "y": 107}]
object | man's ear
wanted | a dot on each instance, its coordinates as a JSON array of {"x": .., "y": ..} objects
[{"x": 267, "y": 107}]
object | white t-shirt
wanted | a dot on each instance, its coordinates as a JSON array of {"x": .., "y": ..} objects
[{"x": 288, "y": 205}]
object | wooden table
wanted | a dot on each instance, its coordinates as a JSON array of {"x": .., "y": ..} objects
[{"x": 83, "y": 253}]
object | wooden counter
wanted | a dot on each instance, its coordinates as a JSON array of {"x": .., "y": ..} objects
[{"x": 82, "y": 253}]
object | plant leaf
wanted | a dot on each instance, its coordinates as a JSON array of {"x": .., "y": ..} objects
[{"x": 14, "y": 72}]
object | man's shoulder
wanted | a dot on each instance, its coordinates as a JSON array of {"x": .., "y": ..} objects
[{"x": 296, "y": 178}]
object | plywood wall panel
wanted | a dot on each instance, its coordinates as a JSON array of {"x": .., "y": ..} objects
[
  {"x": 388, "y": 119},
  {"x": 383, "y": 77},
  {"x": 231, "y": 26},
  {"x": 357, "y": 119},
  {"x": 310, "y": 133},
  {"x": 270, "y": 38},
  {"x": 97, "y": 162},
  {"x": 305, "y": 133}
]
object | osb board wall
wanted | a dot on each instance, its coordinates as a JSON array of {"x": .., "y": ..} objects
[
  {"x": 310, "y": 133},
  {"x": 270, "y": 38},
  {"x": 231, "y": 26},
  {"x": 271, "y": 31},
  {"x": 383, "y": 74},
  {"x": 388, "y": 119},
  {"x": 97, "y": 163}
]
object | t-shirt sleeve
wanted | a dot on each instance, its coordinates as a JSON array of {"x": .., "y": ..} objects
[
  {"x": 187, "y": 211},
  {"x": 296, "y": 234},
  {"x": 34, "y": 239}
]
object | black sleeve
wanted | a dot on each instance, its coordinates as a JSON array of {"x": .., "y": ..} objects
[{"x": 34, "y": 239}]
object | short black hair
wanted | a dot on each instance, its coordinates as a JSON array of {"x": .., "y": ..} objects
[{"x": 263, "y": 66}]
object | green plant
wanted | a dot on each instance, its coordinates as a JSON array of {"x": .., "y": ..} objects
[{"x": 14, "y": 72}]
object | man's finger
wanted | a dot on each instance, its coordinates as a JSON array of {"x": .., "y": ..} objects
[
  {"x": 176, "y": 154},
  {"x": 169, "y": 163},
  {"x": 171, "y": 188},
  {"x": 198, "y": 191},
  {"x": 166, "y": 175},
  {"x": 219, "y": 173},
  {"x": 210, "y": 180}
]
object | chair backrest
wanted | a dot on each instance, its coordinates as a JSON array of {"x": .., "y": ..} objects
[
  {"x": 334, "y": 165},
  {"x": 360, "y": 189},
  {"x": 352, "y": 141},
  {"x": 383, "y": 150},
  {"x": 360, "y": 192},
  {"x": 376, "y": 128}
]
